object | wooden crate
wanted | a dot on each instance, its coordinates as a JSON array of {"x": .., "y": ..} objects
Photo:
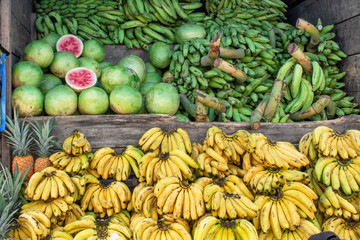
[{"x": 17, "y": 30}]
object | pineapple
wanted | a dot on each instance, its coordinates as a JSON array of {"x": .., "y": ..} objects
[
  {"x": 19, "y": 138},
  {"x": 10, "y": 203},
  {"x": 44, "y": 143}
]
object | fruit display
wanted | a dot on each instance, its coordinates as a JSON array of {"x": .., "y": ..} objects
[{"x": 273, "y": 192}]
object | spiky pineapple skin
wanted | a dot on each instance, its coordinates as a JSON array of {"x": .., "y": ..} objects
[
  {"x": 23, "y": 163},
  {"x": 41, "y": 164}
]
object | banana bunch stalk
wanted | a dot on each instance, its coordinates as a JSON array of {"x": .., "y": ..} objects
[
  {"x": 210, "y": 227},
  {"x": 31, "y": 225},
  {"x": 342, "y": 228},
  {"x": 144, "y": 201},
  {"x": 227, "y": 205},
  {"x": 285, "y": 209},
  {"x": 333, "y": 203},
  {"x": 156, "y": 140},
  {"x": 105, "y": 201},
  {"x": 55, "y": 210},
  {"x": 277, "y": 154},
  {"x": 50, "y": 184},
  {"x": 108, "y": 164},
  {"x": 181, "y": 200},
  {"x": 163, "y": 229},
  {"x": 305, "y": 230},
  {"x": 76, "y": 144},
  {"x": 70, "y": 163},
  {"x": 263, "y": 180}
]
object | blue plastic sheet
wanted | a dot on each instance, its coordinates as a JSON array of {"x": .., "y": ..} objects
[{"x": 3, "y": 92}]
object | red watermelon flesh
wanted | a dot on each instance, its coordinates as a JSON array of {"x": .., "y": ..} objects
[
  {"x": 80, "y": 78},
  {"x": 70, "y": 43}
]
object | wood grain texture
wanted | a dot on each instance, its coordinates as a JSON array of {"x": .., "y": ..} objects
[
  {"x": 22, "y": 36},
  {"x": 351, "y": 66},
  {"x": 330, "y": 11},
  {"x": 5, "y": 6},
  {"x": 345, "y": 15},
  {"x": 118, "y": 131},
  {"x": 114, "y": 53},
  {"x": 21, "y": 10}
]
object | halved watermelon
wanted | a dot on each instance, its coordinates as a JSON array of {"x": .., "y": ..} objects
[
  {"x": 70, "y": 43},
  {"x": 80, "y": 78}
]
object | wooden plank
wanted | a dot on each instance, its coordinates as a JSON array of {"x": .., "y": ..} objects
[
  {"x": 351, "y": 66},
  {"x": 330, "y": 11},
  {"x": 21, "y": 10},
  {"x": 348, "y": 35},
  {"x": 116, "y": 52},
  {"x": 118, "y": 131},
  {"x": 5, "y": 6},
  {"x": 22, "y": 36}
]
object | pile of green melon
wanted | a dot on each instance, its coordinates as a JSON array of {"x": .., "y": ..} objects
[{"x": 65, "y": 76}]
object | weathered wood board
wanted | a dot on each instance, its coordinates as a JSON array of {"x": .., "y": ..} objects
[{"x": 118, "y": 131}]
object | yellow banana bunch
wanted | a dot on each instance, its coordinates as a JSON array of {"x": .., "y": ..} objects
[
  {"x": 55, "y": 210},
  {"x": 73, "y": 214},
  {"x": 339, "y": 173},
  {"x": 307, "y": 147},
  {"x": 165, "y": 229},
  {"x": 332, "y": 203},
  {"x": 106, "y": 201},
  {"x": 80, "y": 184},
  {"x": 278, "y": 154},
  {"x": 76, "y": 144},
  {"x": 302, "y": 232},
  {"x": 314, "y": 184},
  {"x": 123, "y": 216},
  {"x": 329, "y": 143},
  {"x": 227, "y": 205},
  {"x": 212, "y": 164},
  {"x": 144, "y": 201},
  {"x": 158, "y": 141},
  {"x": 285, "y": 210},
  {"x": 92, "y": 172},
  {"x": 84, "y": 223},
  {"x": 231, "y": 147},
  {"x": 70, "y": 163},
  {"x": 234, "y": 184},
  {"x": 179, "y": 199},
  {"x": 60, "y": 234},
  {"x": 108, "y": 164},
  {"x": 32, "y": 225},
  {"x": 176, "y": 163},
  {"x": 342, "y": 228},
  {"x": 197, "y": 149},
  {"x": 237, "y": 171},
  {"x": 266, "y": 180},
  {"x": 50, "y": 183},
  {"x": 211, "y": 227}
]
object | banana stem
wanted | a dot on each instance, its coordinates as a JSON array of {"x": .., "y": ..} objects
[
  {"x": 274, "y": 100},
  {"x": 257, "y": 114},
  {"x": 201, "y": 112},
  {"x": 300, "y": 57},
  {"x": 312, "y": 30},
  {"x": 272, "y": 37},
  {"x": 315, "y": 108},
  {"x": 210, "y": 101},
  {"x": 230, "y": 69},
  {"x": 331, "y": 109},
  {"x": 214, "y": 51},
  {"x": 231, "y": 53},
  {"x": 187, "y": 105}
]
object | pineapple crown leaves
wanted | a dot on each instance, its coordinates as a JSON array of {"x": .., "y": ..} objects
[
  {"x": 10, "y": 200},
  {"x": 18, "y": 135},
  {"x": 44, "y": 140}
]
